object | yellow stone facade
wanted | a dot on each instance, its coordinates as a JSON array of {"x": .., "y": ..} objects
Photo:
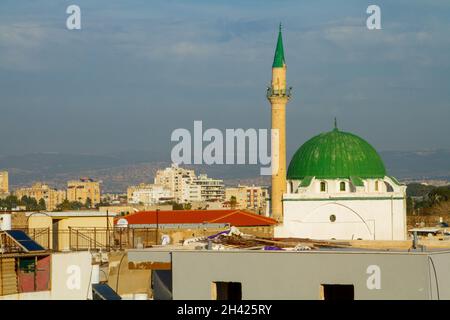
[
  {"x": 278, "y": 96},
  {"x": 248, "y": 197},
  {"x": 132, "y": 189},
  {"x": 38, "y": 191},
  {"x": 81, "y": 190},
  {"x": 4, "y": 182}
]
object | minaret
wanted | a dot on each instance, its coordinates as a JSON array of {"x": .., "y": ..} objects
[{"x": 278, "y": 96}]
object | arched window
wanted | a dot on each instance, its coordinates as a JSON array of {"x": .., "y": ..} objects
[
  {"x": 323, "y": 186},
  {"x": 376, "y": 186},
  {"x": 342, "y": 186}
]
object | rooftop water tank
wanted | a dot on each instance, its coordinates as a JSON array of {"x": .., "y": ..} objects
[{"x": 5, "y": 222}]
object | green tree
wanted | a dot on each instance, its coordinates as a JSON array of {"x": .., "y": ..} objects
[
  {"x": 88, "y": 203},
  {"x": 439, "y": 194},
  {"x": 67, "y": 205},
  {"x": 76, "y": 205},
  {"x": 177, "y": 206},
  {"x": 42, "y": 205},
  {"x": 428, "y": 199},
  {"x": 63, "y": 205},
  {"x": 30, "y": 203},
  {"x": 418, "y": 189},
  {"x": 9, "y": 202}
]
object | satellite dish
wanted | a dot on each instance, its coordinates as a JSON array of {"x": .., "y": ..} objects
[
  {"x": 165, "y": 240},
  {"x": 122, "y": 223}
]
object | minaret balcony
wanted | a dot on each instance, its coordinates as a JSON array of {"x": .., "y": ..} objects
[{"x": 271, "y": 92}]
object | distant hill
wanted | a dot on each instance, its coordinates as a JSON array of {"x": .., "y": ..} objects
[
  {"x": 418, "y": 164},
  {"x": 119, "y": 170},
  {"x": 418, "y": 190}
]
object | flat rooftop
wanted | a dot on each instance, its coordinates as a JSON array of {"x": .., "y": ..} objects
[{"x": 81, "y": 213}]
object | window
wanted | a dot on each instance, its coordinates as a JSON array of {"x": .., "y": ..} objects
[
  {"x": 226, "y": 291},
  {"x": 337, "y": 292},
  {"x": 323, "y": 186},
  {"x": 332, "y": 218},
  {"x": 376, "y": 186},
  {"x": 342, "y": 186}
]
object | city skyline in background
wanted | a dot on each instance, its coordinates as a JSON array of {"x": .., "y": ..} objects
[{"x": 135, "y": 72}]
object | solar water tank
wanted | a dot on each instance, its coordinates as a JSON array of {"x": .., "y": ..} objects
[{"x": 5, "y": 222}]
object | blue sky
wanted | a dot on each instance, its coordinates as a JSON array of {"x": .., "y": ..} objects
[{"x": 140, "y": 69}]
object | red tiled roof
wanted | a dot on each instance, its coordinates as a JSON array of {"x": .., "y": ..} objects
[{"x": 235, "y": 218}]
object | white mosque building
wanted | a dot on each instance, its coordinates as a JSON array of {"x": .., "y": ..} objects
[
  {"x": 337, "y": 188},
  {"x": 336, "y": 185}
]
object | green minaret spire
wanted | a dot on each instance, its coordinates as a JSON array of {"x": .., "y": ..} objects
[{"x": 278, "y": 60}]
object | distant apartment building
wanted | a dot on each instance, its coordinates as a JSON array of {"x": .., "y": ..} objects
[
  {"x": 148, "y": 194},
  {"x": 132, "y": 189},
  {"x": 248, "y": 197},
  {"x": 210, "y": 189},
  {"x": 192, "y": 192},
  {"x": 38, "y": 191},
  {"x": 4, "y": 183},
  {"x": 187, "y": 187},
  {"x": 114, "y": 198},
  {"x": 177, "y": 180},
  {"x": 240, "y": 197},
  {"x": 81, "y": 190}
]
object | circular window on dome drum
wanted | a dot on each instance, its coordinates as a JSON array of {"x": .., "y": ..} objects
[{"x": 332, "y": 218}]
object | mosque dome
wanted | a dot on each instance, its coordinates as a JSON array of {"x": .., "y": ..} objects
[{"x": 336, "y": 154}]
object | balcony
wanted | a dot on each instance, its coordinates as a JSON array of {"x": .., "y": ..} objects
[{"x": 278, "y": 93}]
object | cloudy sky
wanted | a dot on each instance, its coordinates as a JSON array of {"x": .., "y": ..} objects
[{"x": 139, "y": 69}]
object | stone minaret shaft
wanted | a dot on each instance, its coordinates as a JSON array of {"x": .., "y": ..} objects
[{"x": 278, "y": 95}]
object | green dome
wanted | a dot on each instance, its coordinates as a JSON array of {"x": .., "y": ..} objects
[{"x": 336, "y": 154}]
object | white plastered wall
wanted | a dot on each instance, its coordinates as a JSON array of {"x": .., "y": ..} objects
[{"x": 354, "y": 213}]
